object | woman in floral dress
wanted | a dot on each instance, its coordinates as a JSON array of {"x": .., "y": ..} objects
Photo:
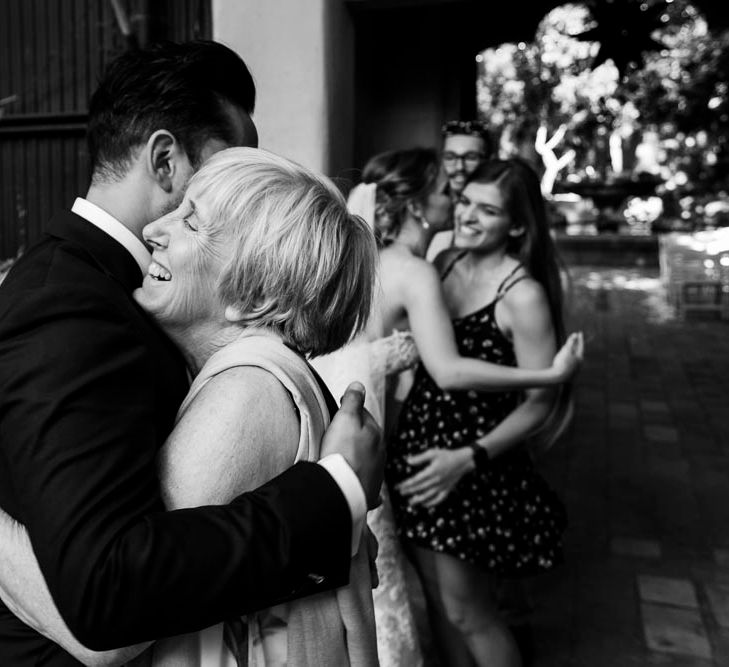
[
  {"x": 401, "y": 197},
  {"x": 466, "y": 496}
]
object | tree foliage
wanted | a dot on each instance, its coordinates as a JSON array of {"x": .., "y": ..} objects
[{"x": 680, "y": 92}]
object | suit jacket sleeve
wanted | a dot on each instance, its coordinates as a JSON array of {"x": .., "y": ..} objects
[{"x": 80, "y": 442}]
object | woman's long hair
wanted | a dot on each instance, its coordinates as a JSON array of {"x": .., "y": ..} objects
[
  {"x": 524, "y": 205},
  {"x": 535, "y": 249},
  {"x": 401, "y": 177}
]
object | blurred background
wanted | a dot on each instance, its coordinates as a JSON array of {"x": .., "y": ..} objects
[{"x": 621, "y": 104}]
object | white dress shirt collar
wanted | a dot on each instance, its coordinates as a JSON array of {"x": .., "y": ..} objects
[{"x": 110, "y": 225}]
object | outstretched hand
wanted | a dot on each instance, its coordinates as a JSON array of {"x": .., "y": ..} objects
[
  {"x": 570, "y": 356},
  {"x": 355, "y": 435},
  {"x": 443, "y": 470}
]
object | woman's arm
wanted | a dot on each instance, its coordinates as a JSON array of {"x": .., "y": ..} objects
[
  {"x": 191, "y": 476},
  {"x": 433, "y": 333},
  {"x": 527, "y": 318},
  {"x": 247, "y": 424},
  {"x": 23, "y": 589},
  {"x": 526, "y": 315}
]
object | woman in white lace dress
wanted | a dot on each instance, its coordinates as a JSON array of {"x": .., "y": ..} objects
[{"x": 402, "y": 198}]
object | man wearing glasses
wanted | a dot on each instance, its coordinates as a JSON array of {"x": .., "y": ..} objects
[{"x": 466, "y": 144}]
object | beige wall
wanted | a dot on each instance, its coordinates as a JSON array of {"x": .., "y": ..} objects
[{"x": 300, "y": 53}]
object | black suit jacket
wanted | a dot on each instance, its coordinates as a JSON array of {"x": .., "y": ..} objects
[{"x": 89, "y": 388}]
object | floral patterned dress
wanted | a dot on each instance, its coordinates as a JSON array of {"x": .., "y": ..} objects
[{"x": 505, "y": 518}]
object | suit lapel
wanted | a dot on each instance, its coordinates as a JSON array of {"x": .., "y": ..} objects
[{"x": 110, "y": 255}]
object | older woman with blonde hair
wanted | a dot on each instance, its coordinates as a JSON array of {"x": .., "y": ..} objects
[{"x": 258, "y": 267}]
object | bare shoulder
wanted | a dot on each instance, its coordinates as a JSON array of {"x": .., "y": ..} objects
[
  {"x": 247, "y": 385},
  {"x": 240, "y": 431},
  {"x": 243, "y": 398},
  {"x": 445, "y": 257},
  {"x": 525, "y": 294},
  {"x": 404, "y": 267},
  {"x": 525, "y": 306}
]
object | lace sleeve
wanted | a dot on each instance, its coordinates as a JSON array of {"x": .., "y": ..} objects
[{"x": 398, "y": 350}]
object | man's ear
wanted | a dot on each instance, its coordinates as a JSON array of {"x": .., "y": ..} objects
[{"x": 164, "y": 157}]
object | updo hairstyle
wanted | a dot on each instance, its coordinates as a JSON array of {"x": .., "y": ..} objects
[{"x": 401, "y": 177}]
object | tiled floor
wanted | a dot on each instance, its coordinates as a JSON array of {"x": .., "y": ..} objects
[{"x": 644, "y": 472}]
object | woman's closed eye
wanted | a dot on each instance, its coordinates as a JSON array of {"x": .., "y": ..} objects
[
  {"x": 190, "y": 223},
  {"x": 188, "y": 213}
]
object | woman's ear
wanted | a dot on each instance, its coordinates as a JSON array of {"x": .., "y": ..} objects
[
  {"x": 233, "y": 314},
  {"x": 516, "y": 230},
  {"x": 165, "y": 159},
  {"x": 415, "y": 209}
]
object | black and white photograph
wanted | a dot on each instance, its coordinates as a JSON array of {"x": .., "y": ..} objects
[{"x": 364, "y": 333}]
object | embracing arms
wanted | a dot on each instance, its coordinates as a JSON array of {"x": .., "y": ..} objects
[
  {"x": 23, "y": 589},
  {"x": 431, "y": 327},
  {"x": 525, "y": 314},
  {"x": 243, "y": 449},
  {"x": 84, "y": 442}
]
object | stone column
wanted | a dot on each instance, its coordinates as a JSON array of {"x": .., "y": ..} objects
[{"x": 301, "y": 57}]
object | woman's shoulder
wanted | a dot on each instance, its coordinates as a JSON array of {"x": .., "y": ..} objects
[
  {"x": 524, "y": 298},
  {"x": 446, "y": 257},
  {"x": 522, "y": 290},
  {"x": 402, "y": 263},
  {"x": 244, "y": 385},
  {"x": 250, "y": 369}
]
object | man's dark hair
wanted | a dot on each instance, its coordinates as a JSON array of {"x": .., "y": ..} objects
[
  {"x": 473, "y": 128},
  {"x": 181, "y": 88}
]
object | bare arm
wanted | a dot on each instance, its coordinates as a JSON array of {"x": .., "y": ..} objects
[
  {"x": 63, "y": 437},
  {"x": 431, "y": 328},
  {"x": 243, "y": 449},
  {"x": 23, "y": 589},
  {"x": 526, "y": 315},
  {"x": 243, "y": 445}
]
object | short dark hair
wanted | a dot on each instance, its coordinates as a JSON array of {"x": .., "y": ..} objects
[
  {"x": 472, "y": 128},
  {"x": 180, "y": 87}
]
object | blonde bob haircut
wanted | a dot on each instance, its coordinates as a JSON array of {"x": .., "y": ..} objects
[{"x": 301, "y": 265}]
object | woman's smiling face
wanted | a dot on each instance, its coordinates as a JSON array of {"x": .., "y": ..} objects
[
  {"x": 481, "y": 221},
  {"x": 189, "y": 253}
]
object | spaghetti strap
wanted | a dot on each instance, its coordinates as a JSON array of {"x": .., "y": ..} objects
[
  {"x": 504, "y": 289},
  {"x": 450, "y": 266},
  {"x": 508, "y": 278}
]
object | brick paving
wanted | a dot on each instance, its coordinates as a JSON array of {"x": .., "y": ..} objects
[{"x": 644, "y": 472}]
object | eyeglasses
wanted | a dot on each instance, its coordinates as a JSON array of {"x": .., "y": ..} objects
[{"x": 471, "y": 159}]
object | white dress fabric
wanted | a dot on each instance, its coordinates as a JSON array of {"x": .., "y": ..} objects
[
  {"x": 371, "y": 360},
  {"x": 331, "y": 628}
]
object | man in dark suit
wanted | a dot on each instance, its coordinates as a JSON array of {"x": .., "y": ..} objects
[{"x": 89, "y": 388}]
